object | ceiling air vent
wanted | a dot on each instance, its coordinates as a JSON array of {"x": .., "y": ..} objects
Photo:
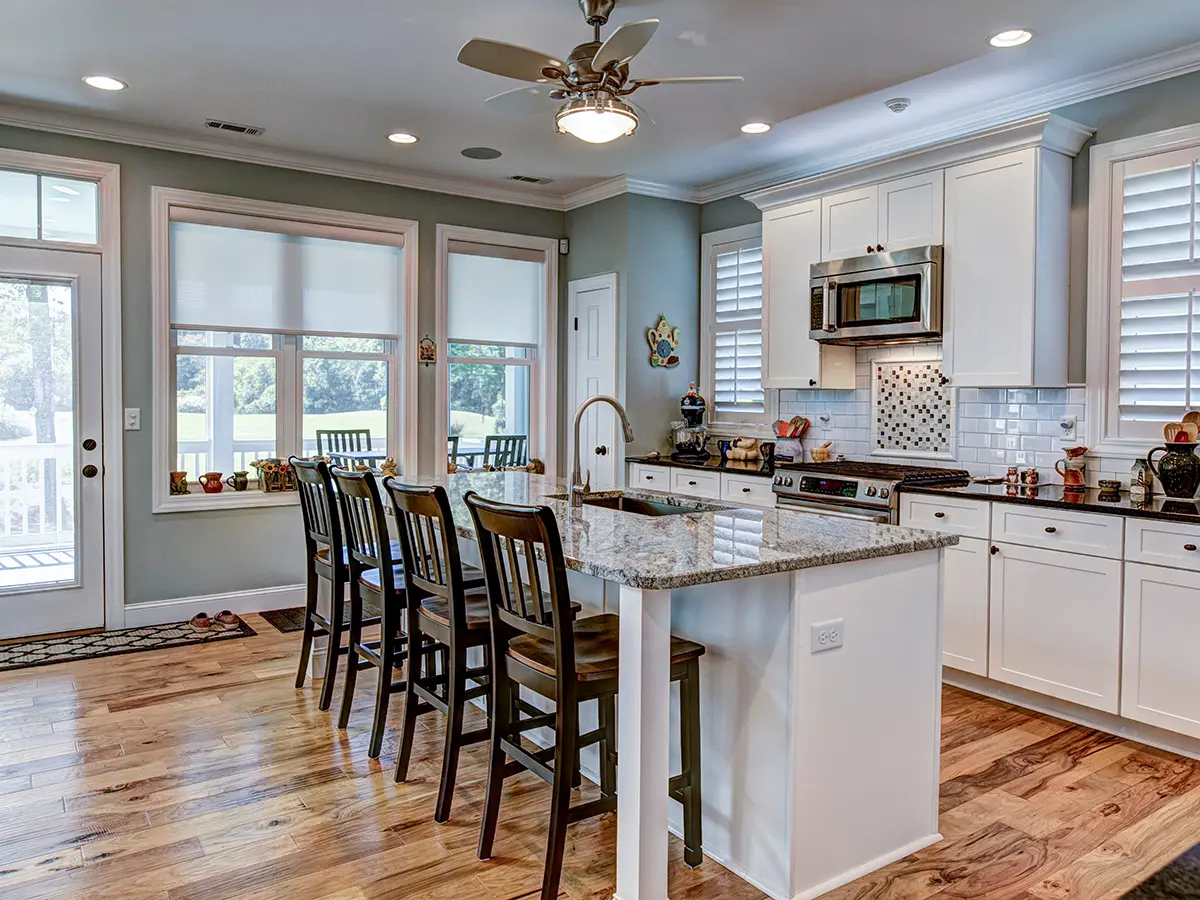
[
  {"x": 530, "y": 179},
  {"x": 248, "y": 130}
]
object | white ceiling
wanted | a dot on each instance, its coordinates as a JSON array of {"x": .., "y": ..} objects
[{"x": 334, "y": 78}]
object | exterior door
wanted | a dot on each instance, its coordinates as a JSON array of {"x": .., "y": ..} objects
[
  {"x": 51, "y": 451},
  {"x": 593, "y": 364}
]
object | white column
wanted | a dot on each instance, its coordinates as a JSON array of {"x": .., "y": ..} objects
[{"x": 643, "y": 744}]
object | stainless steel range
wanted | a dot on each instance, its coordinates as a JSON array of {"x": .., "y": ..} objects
[{"x": 859, "y": 490}]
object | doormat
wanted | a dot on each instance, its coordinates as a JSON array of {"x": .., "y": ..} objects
[
  {"x": 292, "y": 618},
  {"x": 111, "y": 643}
]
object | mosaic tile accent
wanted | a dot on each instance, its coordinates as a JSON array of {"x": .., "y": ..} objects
[{"x": 912, "y": 409}]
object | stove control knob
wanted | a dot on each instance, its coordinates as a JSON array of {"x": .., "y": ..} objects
[
  {"x": 885, "y": 493},
  {"x": 779, "y": 479},
  {"x": 871, "y": 492}
]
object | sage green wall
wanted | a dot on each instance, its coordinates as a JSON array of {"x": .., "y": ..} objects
[
  {"x": 191, "y": 554},
  {"x": 1143, "y": 110},
  {"x": 728, "y": 213}
]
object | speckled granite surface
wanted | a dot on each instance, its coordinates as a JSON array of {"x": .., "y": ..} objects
[
  {"x": 1178, "y": 881},
  {"x": 709, "y": 544}
]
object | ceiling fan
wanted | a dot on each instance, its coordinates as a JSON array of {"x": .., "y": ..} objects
[{"x": 591, "y": 84}]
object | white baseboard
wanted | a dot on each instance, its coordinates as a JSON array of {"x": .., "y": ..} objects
[
  {"x": 867, "y": 868},
  {"x": 1073, "y": 712},
  {"x": 162, "y": 612}
]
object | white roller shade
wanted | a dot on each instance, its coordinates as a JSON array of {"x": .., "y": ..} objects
[
  {"x": 252, "y": 280},
  {"x": 494, "y": 298}
]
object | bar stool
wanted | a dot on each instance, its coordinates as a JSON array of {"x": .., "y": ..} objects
[
  {"x": 326, "y": 559},
  {"x": 443, "y": 610},
  {"x": 568, "y": 661}
]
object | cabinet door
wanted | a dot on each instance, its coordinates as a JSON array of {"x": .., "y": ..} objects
[
  {"x": 910, "y": 211},
  {"x": 655, "y": 478},
  {"x": 850, "y": 223},
  {"x": 991, "y": 236},
  {"x": 1056, "y": 624},
  {"x": 965, "y": 611},
  {"x": 692, "y": 483},
  {"x": 748, "y": 490},
  {"x": 1161, "y": 670},
  {"x": 791, "y": 244}
]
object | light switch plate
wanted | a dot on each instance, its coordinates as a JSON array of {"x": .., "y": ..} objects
[
  {"x": 828, "y": 635},
  {"x": 133, "y": 419}
]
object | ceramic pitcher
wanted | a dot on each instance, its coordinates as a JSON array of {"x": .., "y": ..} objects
[
  {"x": 239, "y": 481},
  {"x": 1178, "y": 470},
  {"x": 1073, "y": 469},
  {"x": 212, "y": 483}
]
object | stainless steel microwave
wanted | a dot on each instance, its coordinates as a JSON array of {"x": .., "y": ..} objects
[{"x": 878, "y": 298}]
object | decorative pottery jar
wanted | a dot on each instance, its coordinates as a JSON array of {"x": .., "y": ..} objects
[{"x": 1178, "y": 471}]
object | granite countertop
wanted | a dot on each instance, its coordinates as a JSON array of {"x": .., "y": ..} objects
[
  {"x": 760, "y": 467},
  {"x": 698, "y": 547},
  {"x": 1054, "y": 497}
]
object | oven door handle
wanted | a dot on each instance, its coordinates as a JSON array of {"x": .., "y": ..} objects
[
  {"x": 880, "y": 518},
  {"x": 830, "y": 299}
]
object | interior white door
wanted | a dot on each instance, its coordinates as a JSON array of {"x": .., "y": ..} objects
[
  {"x": 51, "y": 443},
  {"x": 593, "y": 371}
]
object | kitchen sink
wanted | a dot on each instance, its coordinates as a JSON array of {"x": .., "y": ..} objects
[{"x": 636, "y": 506}]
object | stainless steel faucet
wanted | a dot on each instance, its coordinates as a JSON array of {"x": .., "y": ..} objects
[{"x": 579, "y": 488}]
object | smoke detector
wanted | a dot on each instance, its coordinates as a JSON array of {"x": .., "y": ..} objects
[
  {"x": 897, "y": 104},
  {"x": 248, "y": 130}
]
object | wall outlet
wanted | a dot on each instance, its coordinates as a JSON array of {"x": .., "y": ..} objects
[
  {"x": 828, "y": 635},
  {"x": 1067, "y": 428},
  {"x": 133, "y": 419}
]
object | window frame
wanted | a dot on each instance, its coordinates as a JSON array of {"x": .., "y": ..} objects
[
  {"x": 711, "y": 244},
  {"x": 543, "y": 382},
  {"x": 227, "y": 211},
  {"x": 1105, "y": 229}
]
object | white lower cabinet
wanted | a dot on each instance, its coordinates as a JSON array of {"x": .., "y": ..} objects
[
  {"x": 712, "y": 484},
  {"x": 965, "y": 613},
  {"x": 1056, "y": 624},
  {"x": 691, "y": 483},
  {"x": 1160, "y": 683}
]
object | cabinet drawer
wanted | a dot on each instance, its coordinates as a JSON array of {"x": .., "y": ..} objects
[
  {"x": 1163, "y": 543},
  {"x": 955, "y": 515},
  {"x": 655, "y": 478},
  {"x": 696, "y": 484},
  {"x": 746, "y": 489},
  {"x": 1094, "y": 534}
]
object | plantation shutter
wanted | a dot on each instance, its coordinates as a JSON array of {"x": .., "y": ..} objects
[
  {"x": 1159, "y": 284},
  {"x": 737, "y": 331}
]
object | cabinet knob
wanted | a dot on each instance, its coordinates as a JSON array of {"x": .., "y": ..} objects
[
  {"x": 870, "y": 249},
  {"x": 1191, "y": 548},
  {"x": 994, "y": 550},
  {"x": 879, "y": 248},
  {"x": 691, "y": 484},
  {"x": 747, "y": 490},
  {"x": 812, "y": 382},
  {"x": 939, "y": 515},
  {"x": 1050, "y": 529}
]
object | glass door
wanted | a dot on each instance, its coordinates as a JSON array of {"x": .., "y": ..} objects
[{"x": 51, "y": 452}]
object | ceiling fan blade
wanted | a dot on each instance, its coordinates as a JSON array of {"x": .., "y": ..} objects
[
  {"x": 529, "y": 100},
  {"x": 625, "y": 43},
  {"x": 689, "y": 79},
  {"x": 643, "y": 117},
  {"x": 508, "y": 60}
]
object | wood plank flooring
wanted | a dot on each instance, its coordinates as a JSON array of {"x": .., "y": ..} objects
[{"x": 199, "y": 773}]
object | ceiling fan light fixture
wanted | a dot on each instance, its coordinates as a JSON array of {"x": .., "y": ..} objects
[
  {"x": 1014, "y": 37},
  {"x": 596, "y": 118}
]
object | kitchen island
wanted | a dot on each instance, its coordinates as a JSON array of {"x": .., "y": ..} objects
[{"x": 821, "y": 685}]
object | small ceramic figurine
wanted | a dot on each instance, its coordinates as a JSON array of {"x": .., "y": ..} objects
[
  {"x": 387, "y": 467},
  {"x": 663, "y": 340},
  {"x": 744, "y": 448},
  {"x": 536, "y": 466}
]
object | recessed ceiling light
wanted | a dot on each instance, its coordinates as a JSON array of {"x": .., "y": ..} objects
[
  {"x": 63, "y": 189},
  {"x": 756, "y": 128},
  {"x": 1014, "y": 37},
  {"x": 105, "y": 83},
  {"x": 403, "y": 137}
]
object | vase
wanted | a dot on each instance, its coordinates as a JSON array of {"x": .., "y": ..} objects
[{"x": 1178, "y": 470}]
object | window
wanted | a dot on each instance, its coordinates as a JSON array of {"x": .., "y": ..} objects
[
  {"x": 278, "y": 331},
  {"x": 731, "y": 324},
  {"x": 1148, "y": 298},
  {"x": 497, "y": 299},
  {"x": 48, "y": 208}
]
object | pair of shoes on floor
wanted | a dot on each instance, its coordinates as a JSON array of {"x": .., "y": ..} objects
[{"x": 223, "y": 621}]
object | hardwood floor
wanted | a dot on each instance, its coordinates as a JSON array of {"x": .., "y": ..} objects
[{"x": 200, "y": 773}]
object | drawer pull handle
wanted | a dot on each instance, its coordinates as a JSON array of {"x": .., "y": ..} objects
[
  {"x": 1050, "y": 529},
  {"x": 692, "y": 483},
  {"x": 747, "y": 490},
  {"x": 1190, "y": 547},
  {"x": 994, "y": 550},
  {"x": 939, "y": 515}
]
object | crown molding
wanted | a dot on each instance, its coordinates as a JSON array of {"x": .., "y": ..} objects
[
  {"x": 1126, "y": 76},
  {"x": 614, "y": 187},
  {"x": 179, "y": 142},
  {"x": 1047, "y": 130}
]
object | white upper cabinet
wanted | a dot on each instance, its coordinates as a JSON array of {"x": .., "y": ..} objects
[
  {"x": 1005, "y": 276},
  {"x": 791, "y": 244},
  {"x": 910, "y": 211},
  {"x": 849, "y": 223}
]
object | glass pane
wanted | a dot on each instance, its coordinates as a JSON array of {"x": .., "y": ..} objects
[
  {"x": 893, "y": 300},
  {"x": 37, "y": 441},
  {"x": 18, "y": 205},
  {"x": 325, "y": 344},
  {"x": 492, "y": 351},
  {"x": 69, "y": 210},
  {"x": 224, "y": 414},
  {"x": 486, "y": 398},
  {"x": 348, "y": 397},
  {"x": 242, "y": 340}
]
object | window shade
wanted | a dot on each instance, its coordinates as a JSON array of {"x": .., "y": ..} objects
[
  {"x": 737, "y": 371},
  {"x": 739, "y": 284},
  {"x": 737, "y": 329},
  {"x": 251, "y": 280},
  {"x": 494, "y": 299},
  {"x": 1159, "y": 354}
]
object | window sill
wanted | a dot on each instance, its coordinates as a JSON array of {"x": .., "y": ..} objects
[{"x": 201, "y": 502}]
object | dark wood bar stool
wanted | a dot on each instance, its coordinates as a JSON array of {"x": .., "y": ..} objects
[
  {"x": 442, "y": 609},
  {"x": 537, "y": 643},
  {"x": 326, "y": 559},
  {"x": 375, "y": 572}
]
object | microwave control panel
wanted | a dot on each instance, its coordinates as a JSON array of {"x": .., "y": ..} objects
[{"x": 816, "y": 320}]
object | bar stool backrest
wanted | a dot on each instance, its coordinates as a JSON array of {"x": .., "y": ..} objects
[
  {"x": 322, "y": 527},
  {"x": 366, "y": 528}
]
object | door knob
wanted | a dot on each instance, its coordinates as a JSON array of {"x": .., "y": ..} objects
[
  {"x": 89, "y": 471},
  {"x": 89, "y": 444},
  {"x": 602, "y": 450}
]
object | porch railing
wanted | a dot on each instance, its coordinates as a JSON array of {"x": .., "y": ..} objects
[{"x": 37, "y": 496}]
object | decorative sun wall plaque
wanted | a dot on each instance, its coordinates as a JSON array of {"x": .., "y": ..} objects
[
  {"x": 663, "y": 340},
  {"x": 912, "y": 412}
]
